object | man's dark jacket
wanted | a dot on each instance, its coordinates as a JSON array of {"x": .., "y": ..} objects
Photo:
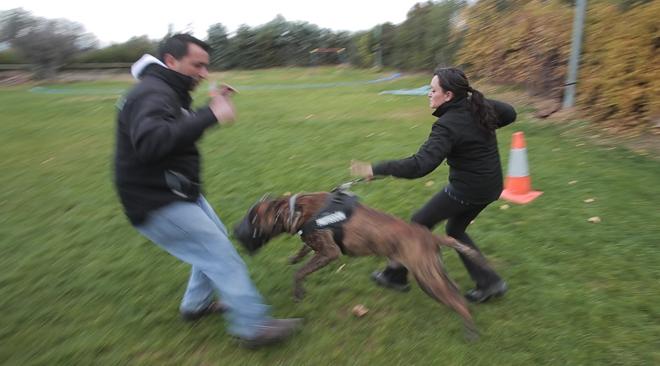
[{"x": 156, "y": 157}]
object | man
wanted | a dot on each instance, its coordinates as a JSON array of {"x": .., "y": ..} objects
[{"x": 157, "y": 175}]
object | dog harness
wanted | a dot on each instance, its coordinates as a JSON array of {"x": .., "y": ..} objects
[{"x": 337, "y": 210}]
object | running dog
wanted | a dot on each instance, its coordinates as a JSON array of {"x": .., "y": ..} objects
[{"x": 335, "y": 223}]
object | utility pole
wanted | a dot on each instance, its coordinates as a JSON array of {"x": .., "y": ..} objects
[
  {"x": 576, "y": 46},
  {"x": 379, "y": 51}
]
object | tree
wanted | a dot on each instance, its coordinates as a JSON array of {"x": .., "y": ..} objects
[
  {"x": 244, "y": 53},
  {"x": 11, "y": 23},
  {"x": 218, "y": 39},
  {"x": 128, "y": 51},
  {"x": 424, "y": 40},
  {"x": 47, "y": 44}
]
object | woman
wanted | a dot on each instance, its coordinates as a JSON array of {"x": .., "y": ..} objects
[{"x": 464, "y": 134}]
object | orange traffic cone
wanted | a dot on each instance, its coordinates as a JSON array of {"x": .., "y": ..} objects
[{"x": 518, "y": 184}]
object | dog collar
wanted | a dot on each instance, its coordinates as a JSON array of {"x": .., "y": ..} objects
[{"x": 292, "y": 210}]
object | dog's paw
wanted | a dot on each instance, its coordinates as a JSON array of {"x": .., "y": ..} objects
[{"x": 471, "y": 333}]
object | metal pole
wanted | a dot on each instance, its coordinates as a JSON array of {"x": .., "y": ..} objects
[
  {"x": 379, "y": 52},
  {"x": 576, "y": 45}
]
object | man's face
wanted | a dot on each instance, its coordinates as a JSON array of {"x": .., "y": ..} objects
[{"x": 194, "y": 64}]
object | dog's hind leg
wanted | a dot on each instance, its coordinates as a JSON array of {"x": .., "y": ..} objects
[
  {"x": 300, "y": 255},
  {"x": 326, "y": 252}
]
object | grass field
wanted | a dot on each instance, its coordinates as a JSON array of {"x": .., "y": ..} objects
[{"x": 79, "y": 286}]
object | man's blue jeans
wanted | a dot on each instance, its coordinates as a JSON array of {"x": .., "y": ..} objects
[{"x": 193, "y": 233}]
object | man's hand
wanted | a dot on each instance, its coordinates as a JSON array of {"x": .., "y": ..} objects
[
  {"x": 228, "y": 90},
  {"x": 361, "y": 169},
  {"x": 221, "y": 104}
]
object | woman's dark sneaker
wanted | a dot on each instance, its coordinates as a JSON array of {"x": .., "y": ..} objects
[
  {"x": 382, "y": 279},
  {"x": 480, "y": 295}
]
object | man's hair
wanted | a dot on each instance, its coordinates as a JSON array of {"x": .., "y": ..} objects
[{"x": 177, "y": 46}]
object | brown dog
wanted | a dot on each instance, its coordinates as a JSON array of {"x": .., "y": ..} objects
[{"x": 363, "y": 231}]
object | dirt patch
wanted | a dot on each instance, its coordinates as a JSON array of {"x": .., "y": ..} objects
[
  {"x": 14, "y": 78},
  {"x": 92, "y": 75},
  {"x": 19, "y": 77}
]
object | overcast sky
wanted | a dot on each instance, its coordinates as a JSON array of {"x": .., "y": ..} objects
[{"x": 114, "y": 21}]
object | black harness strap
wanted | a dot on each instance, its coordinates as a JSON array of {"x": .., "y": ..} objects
[{"x": 337, "y": 210}]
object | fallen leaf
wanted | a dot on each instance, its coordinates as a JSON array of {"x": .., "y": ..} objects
[
  {"x": 287, "y": 193},
  {"x": 429, "y": 183},
  {"x": 340, "y": 268},
  {"x": 589, "y": 200},
  {"x": 572, "y": 182},
  {"x": 594, "y": 220},
  {"x": 556, "y": 149},
  {"x": 504, "y": 207},
  {"x": 360, "y": 310}
]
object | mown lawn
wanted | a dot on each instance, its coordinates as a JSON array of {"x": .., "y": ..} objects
[{"x": 79, "y": 286}]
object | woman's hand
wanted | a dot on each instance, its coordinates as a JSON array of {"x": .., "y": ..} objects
[{"x": 361, "y": 169}]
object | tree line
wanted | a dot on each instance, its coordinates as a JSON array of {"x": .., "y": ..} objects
[
  {"x": 522, "y": 42},
  {"x": 422, "y": 41}
]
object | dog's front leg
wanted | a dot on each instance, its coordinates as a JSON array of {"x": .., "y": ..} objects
[
  {"x": 326, "y": 252},
  {"x": 300, "y": 255}
]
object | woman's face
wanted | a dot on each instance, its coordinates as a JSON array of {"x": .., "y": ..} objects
[{"x": 437, "y": 95}]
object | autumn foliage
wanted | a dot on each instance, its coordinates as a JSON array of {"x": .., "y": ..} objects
[{"x": 528, "y": 43}]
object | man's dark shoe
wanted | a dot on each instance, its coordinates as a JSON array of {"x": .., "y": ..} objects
[
  {"x": 215, "y": 307},
  {"x": 273, "y": 331},
  {"x": 381, "y": 279},
  {"x": 480, "y": 295}
]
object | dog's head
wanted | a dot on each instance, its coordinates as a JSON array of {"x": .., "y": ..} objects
[{"x": 264, "y": 220}]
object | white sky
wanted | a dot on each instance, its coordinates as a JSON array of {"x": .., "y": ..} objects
[{"x": 114, "y": 21}]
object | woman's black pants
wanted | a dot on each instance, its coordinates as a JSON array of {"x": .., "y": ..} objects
[{"x": 458, "y": 214}]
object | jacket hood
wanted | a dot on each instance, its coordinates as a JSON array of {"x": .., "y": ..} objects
[
  {"x": 182, "y": 84},
  {"x": 137, "y": 69}
]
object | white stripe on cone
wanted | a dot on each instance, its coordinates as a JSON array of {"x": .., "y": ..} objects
[{"x": 518, "y": 163}]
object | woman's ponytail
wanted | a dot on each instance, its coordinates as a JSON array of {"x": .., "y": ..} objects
[{"x": 482, "y": 111}]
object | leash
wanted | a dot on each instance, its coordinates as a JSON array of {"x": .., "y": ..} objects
[{"x": 346, "y": 186}]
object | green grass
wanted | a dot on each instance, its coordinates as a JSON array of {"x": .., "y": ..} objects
[{"x": 80, "y": 286}]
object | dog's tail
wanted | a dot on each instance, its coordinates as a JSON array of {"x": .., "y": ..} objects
[
  {"x": 474, "y": 255},
  {"x": 435, "y": 282}
]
